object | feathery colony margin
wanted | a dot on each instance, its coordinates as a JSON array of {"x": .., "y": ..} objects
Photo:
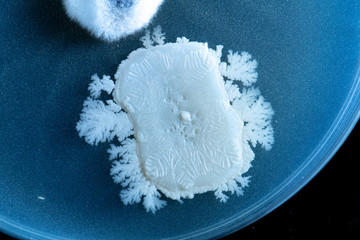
[{"x": 184, "y": 119}]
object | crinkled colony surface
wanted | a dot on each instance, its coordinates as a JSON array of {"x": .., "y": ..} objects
[
  {"x": 112, "y": 19},
  {"x": 184, "y": 119}
]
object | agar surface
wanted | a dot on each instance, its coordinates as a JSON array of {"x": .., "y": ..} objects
[{"x": 185, "y": 121}]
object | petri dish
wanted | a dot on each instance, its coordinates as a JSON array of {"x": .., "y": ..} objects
[{"x": 55, "y": 186}]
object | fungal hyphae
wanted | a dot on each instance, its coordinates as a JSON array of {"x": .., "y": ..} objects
[
  {"x": 185, "y": 121},
  {"x": 112, "y": 19}
]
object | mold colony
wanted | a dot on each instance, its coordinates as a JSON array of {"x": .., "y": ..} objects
[
  {"x": 184, "y": 125},
  {"x": 112, "y": 19}
]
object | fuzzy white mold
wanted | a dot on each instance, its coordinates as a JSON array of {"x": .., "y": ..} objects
[
  {"x": 184, "y": 125},
  {"x": 112, "y": 19}
]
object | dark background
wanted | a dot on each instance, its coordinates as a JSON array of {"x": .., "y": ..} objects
[{"x": 326, "y": 208}]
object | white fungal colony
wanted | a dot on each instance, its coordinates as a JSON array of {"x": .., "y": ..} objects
[
  {"x": 183, "y": 124},
  {"x": 112, "y": 19}
]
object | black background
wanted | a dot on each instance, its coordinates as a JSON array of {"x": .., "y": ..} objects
[{"x": 326, "y": 208}]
